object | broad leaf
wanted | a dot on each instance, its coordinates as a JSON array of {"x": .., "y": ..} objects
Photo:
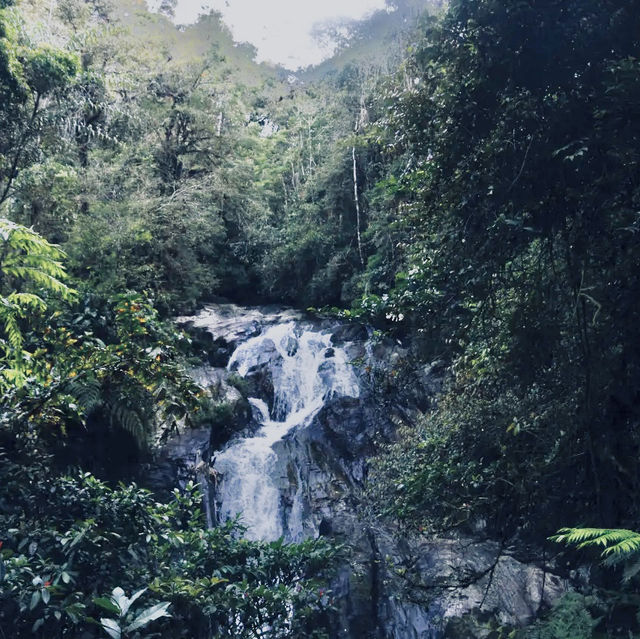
[
  {"x": 122, "y": 601},
  {"x": 108, "y": 604},
  {"x": 148, "y": 615},
  {"x": 111, "y": 627}
]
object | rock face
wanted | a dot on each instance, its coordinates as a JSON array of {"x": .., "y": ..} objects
[
  {"x": 402, "y": 587},
  {"x": 322, "y": 399},
  {"x": 176, "y": 464},
  {"x": 220, "y": 328}
]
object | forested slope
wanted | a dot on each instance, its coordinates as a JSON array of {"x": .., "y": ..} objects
[{"x": 472, "y": 192}]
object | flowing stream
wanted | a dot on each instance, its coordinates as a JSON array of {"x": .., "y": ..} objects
[{"x": 305, "y": 370}]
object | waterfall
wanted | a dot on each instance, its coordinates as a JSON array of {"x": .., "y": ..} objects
[
  {"x": 293, "y": 471},
  {"x": 306, "y": 370}
]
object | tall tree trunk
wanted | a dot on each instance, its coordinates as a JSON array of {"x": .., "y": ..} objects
[
  {"x": 355, "y": 185},
  {"x": 357, "y": 199}
]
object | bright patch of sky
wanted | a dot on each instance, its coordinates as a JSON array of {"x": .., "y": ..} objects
[{"x": 280, "y": 29}]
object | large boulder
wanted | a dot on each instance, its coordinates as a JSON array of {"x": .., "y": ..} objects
[
  {"x": 352, "y": 332},
  {"x": 258, "y": 380}
]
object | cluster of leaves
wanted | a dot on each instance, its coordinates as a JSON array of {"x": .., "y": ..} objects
[
  {"x": 70, "y": 540},
  {"x": 120, "y": 605},
  {"x": 572, "y": 617},
  {"x": 93, "y": 370},
  {"x": 30, "y": 76},
  {"x": 618, "y": 546}
]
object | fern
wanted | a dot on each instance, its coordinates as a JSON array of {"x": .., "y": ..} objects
[
  {"x": 27, "y": 301},
  {"x": 28, "y": 257},
  {"x": 618, "y": 545},
  {"x": 122, "y": 414},
  {"x": 86, "y": 391},
  {"x": 28, "y": 261}
]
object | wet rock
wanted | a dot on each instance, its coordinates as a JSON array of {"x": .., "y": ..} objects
[
  {"x": 463, "y": 576},
  {"x": 291, "y": 346},
  {"x": 259, "y": 378},
  {"x": 356, "y": 352},
  {"x": 327, "y": 370},
  {"x": 236, "y": 324},
  {"x": 353, "y": 332},
  {"x": 400, "y": 586},
  {"x": 217, "y": 382},
  {"x": 216, "y": 352},
  {"x": 174, "y": 464}
]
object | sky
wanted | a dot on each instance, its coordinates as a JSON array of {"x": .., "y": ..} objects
[{"x": 280, "y": 29}]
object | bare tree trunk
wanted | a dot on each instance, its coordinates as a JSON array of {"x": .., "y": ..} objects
[
  {"x": 294, "y": 179},
  {"x": 311, "y": 162},
  {"x": 361, "y": 117},
  {"x": 355, "y": 193}
]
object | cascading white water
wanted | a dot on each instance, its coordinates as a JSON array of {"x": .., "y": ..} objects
[{"x": 306, "y": 371}]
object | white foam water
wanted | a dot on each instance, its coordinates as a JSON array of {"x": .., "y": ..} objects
[{"x": 305, "y": 375}]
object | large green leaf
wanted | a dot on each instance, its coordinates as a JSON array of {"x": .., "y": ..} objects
[
  {"x": 149, "y": 615},
  {"x": 108, "y": 605},
  {"x": 112, "y": 628}
]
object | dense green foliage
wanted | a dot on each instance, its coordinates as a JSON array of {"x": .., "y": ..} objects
[
  {"x": 518, "y": 142},
  {"x": 475, "y": 193},
  {"x": 70, "y": 540}
]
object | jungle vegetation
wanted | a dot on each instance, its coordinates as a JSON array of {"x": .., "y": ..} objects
[{"x": 474, "y": 192}]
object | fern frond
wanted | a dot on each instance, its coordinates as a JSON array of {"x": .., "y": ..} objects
[
  {"x": 21, "y": 238},
  {"x": 123, "y": 415},
  {"x": 44, "y": 276},
  {"x": 617, "y": 544},
  {"x": 28, "y": 256},
  {"x": 35, "y": 260},
  {"x": 27, "y": 301},
  {"x": 628, "y": 544},
  {"x": 26, "y": 259},
  {"x": 14, "y": 376},
  {"x": 87, "y": 392},
  {"x": 9, "y": 314}
]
